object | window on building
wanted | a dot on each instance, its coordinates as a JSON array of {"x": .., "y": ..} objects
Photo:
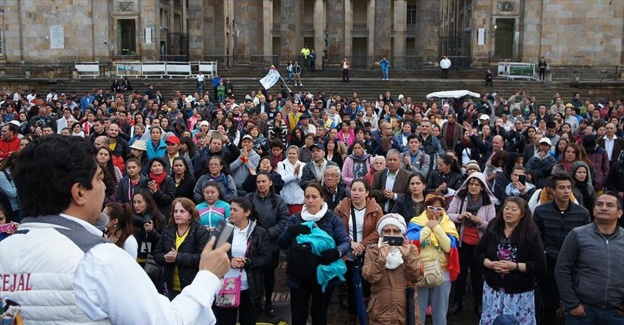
[
  {"x": 126, "y": 37},
  {"x": 411, "y": 15}
]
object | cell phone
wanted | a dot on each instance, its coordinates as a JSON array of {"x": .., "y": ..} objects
[
  {"x": 393, "y": 240},
  {"x": 7, "y": 228},
  {"x": 223, "y": 232},
  {"x": 522, "y": 179}
]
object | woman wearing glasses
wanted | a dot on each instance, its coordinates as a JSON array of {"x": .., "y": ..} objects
[
  {"x": 471, "y": 209},
  {"x": 436, "y": 235}
]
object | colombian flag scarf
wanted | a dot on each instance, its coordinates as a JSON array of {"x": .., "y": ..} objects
[{"x": 419, "y": 222}]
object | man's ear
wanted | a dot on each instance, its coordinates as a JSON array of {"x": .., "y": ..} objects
[{"x": 78, "y": 194}]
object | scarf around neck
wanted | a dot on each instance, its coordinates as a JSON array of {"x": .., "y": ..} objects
[
  {"x": 307, "y": 216},
  {"x": 361, "y": 158},
  {"x": 159, "y": 179}
]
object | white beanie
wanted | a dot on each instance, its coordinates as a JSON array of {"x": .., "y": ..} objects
[{"x": 392, "y": 219}]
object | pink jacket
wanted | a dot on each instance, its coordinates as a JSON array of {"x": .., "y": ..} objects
[{"x": 347, "y": 170}]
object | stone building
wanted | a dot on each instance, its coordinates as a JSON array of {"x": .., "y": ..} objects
[{"x": 408, "y": 32}]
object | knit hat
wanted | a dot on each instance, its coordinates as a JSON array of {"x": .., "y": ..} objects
[
  {"x": 392, "y": 219},
  {"x": 473, "y": 165}
]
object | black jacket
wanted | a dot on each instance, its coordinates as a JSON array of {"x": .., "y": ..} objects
[
  {"x": 164, "y": 196},
  {"x": 186, "y": 187},
  {"x": 258, "y": 258},
  {"x": 554, "y": 225},
  {"x": 530, "y": 252},
  {"x": 272, "y": 213},
  {"x": 189, "y": 253}
]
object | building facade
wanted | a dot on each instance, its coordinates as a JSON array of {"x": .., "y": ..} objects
[{"x": 410, "y": 33}]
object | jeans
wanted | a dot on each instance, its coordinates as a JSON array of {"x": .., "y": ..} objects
[
  {"x": 345, "y": 75},
  {"x": 299, "y": 301},
  {"x": 596, "y": 316},
  {"x": 200, "y": 87},
  {"x": 384, "y": 73},
  {"x": 438, "y": 299}
]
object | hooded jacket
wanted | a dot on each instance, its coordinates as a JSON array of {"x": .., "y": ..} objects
[
  {"x": 587, "y": 202},
  {"x": 459, "y": 204}
]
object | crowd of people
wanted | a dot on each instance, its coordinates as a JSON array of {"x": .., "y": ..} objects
[{"x": 500, "y": 191}]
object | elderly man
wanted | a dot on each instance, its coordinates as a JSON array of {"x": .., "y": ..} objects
[
  {"x": 589, "y": 267},
  {"x": 611, "y": 143},
  {"x": 335, "y": 189},
  {"x": 247, "y": 160},
  {"x": 391, "y": 181}
]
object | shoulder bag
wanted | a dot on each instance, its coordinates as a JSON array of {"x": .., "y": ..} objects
[{"x": 229, "y": 295}]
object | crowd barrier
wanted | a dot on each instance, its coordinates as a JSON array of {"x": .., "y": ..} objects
[
  {"x": 517, "y": 70},
  {"x": 88, "y": 69},
  {"x": 162, "y": 69}
]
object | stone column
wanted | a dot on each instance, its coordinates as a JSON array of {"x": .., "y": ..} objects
[
  {"x": 398, "y": 59},
  {"x": 383, "y": 28},
  {"x": 348, "y": 26},
  {"x": 267, "y": 20},
  {"x": 371, "y": 29},
  {"x": 428, "y": 28},
  {"x": 195, "y": 29},
  {"x": 290, "y": 30},
  {"x": 481, "y": 18},
  {"x": 242, "y": 42},
  {"x": 319, "y": 31},
  {"x": 336, "y": 30}
]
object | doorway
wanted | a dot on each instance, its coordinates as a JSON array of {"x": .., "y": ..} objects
[{"x": 504, "y": 38}]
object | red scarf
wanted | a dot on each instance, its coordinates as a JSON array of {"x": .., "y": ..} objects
[{"x": 158, "y": 178}]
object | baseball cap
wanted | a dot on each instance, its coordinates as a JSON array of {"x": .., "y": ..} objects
[
  {"x": 318, "y": 145},
  {"x": 247, "y": 137},
  {"x": 484, "y": 117},
  {"x": 545, "y": 140},
  {"x": 173, "y": 139}
]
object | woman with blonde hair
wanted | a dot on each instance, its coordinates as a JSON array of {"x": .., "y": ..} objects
[
  {"x": 436, "y": 236},
  {"x": 180, "y": 246}
]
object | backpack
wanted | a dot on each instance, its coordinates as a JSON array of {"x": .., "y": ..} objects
[{"x": 301, "y": 263}]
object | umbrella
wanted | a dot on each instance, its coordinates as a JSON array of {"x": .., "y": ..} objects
[
  {"x": 359, "y": 295},
  {"x": 411, "y": 316},
  {"x": 453, "y": 94}
]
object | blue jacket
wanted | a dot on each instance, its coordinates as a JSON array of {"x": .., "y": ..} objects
[
  {"x": 160, "y": 151},
  {"x": 331, "y": 223}
]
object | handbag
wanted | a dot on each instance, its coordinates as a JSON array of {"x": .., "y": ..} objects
[
  {"x": 229, "y": 295},
  {"x": 432, "y": 275},
  {"x": 230, "y": 292}
]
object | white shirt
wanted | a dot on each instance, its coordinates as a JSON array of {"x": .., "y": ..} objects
[
  {"x": 390, "y": 179},
  {"x": 109, "y": 283},
  {"x": 200, "y": 77},
  {"x": 239, "y": 249},
  {"x": 131, "y": 246},
  {"x": 609, "y": 145},
  {"x": 445, "y": 63}
]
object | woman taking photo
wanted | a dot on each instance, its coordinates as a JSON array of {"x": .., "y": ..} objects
[
  {"x": 271, "y": 212},
  {"x": 251, "y": 253},
  {"x": 290, "y": 170},
  {"x": 120, "y": 227},
  {"x": 472, "y": 208},
  {"x": 357, "y": 164},
  {"x": 360, "y": 214},
  {"x": 301, "y": 290},
  {"x": 130, "y": 183},
  {"x": 436, "y": 236},
  {"x": 160, "y": 185},
  {"x": 180, "y": 246},
  {"x": 412, "y": 203},
  {"x": 390, "y": 270},
  {"x": 512, "y": 254},
  {"x": 219, "y": 173},
  {"x": 213, "y": 209},
  {"x": 148, "y": 224},
  {"x": 182, "y": 178}
]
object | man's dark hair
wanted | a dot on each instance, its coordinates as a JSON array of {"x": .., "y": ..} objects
[
  {"x": 550, "y": 125},
  {"x": 413, "y": 136},
  {"x": 615, "y": 195},
  {"x": 13, "y": 128},
  {"x": 48, "y": 168},
  {"x": 554, "y": 179}
]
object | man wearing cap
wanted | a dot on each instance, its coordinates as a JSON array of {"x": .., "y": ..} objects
[
  {"x": 542, "y": 163},
  {"x": 313, "y": 171},
  {"x": 174, "y": 151},
  {"x": 10, "y": 141},
  {"x": 247, "y": 161},
  {"x": 304, "y": 121}
]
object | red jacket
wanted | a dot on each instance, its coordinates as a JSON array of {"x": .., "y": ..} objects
[{"x": 6, "y": 147}]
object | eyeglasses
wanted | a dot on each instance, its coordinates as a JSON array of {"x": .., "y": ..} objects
[{"x": 436, "y": 209}]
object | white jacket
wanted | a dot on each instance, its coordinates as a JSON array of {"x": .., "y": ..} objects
[{"x": 291, "y": 192}]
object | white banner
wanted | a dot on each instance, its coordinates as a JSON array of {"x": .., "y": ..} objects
[{"x": 270, "y": 79}]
